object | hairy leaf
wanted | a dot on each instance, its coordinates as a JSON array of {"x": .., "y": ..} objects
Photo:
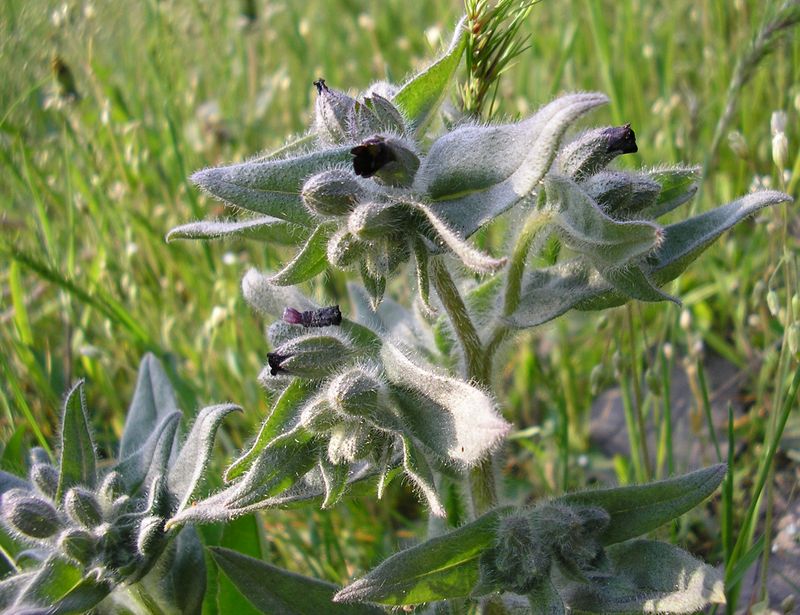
[
  {"x": 274, "y": 590},
  {"x": 61, "y": 586},
  {"x": 418, "y": 471},
  {"x": 77, "y": 464},
  {"x": 152, "y": 459},
  {"x": 439, "y": 568},
  {"x": 678, "y": 185},
  {"x": 263, "y": 228},
  {"x": 474, "y": 174},
  {"x": 420, "y": 97},
  {"x": 271, "y": 187},
  {"x": 635, "y": 510},
  {"x": 309, "y": 261},
  {"x": 153, "y": 399}
]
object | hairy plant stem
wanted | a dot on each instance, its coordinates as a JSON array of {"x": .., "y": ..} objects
[{"x": 481, "y": 480}]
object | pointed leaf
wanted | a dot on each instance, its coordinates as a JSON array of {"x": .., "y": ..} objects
[
  {"x": 264, "y": 228},
  {"x": 9, "y": 481},
  {"x": 474, "y": 173},
  {"x": 439, "y": 568},
  {"x": 153, "y": 399},
  {"x": 60, "y": 585},
  {"x": 633, "y": 282},
  {"x": 282, "y": 418},
  {"x": 449, "y": 416},
  {"x": 178, "y": 580},
  {"x": 185, "y": 474},
  {"x": 649, "y": 577},
  {"x": 334, "y": 477},
  {"x": 678, "y": 185},
  {"x": 309, "y": 261},
  {"x": 423, "y": 279},
  {"x": 420, "y": 97},
  {"x": 637, "y": 509},
  {"x": 418, "y": 471},
  {"x": 273, "y": 590},
  {"x": 11, "y": 586},
  {"x": 270, "y": 187},
  {"x": 152, "y": 459},
  {"x": 686, "y": 240},
  {"x": 605, "y": 242},
  {"x": 77, "y": 461}
]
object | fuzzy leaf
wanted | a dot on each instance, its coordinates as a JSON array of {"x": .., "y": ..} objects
[
  {"x": 270, "y": 299},
  {"x": 439, "y": 568},
  {"x": 678, "y": 185},
  {"x": 334, "y": 477},
  {"x": 178, "y": 579},
  {"x": 152, "y": 459},
  {"x": 185, "y": 474},
  {"x": 450, "y": 416},
  {"x": 638, "y": 509},
  {"x": 633, "y": 282},
  {"x": 60, "y": 586},
  {"x": 274, "y": 590},
  {"x": 271, "y": 187},
  {"x": 153, "y": 399},
  {"x": 9, "y": 481},
  {"x": 649, "y": 577},
  {"x": 77, "y": 462},
  {"x": 309, "y": 261},
  {"x": 605, "y": 242},
  {"x": 264, "y": 228},
  {"x": 474, "y": 174},
  {"x": 282, "y": 419},
  {"x": 418, "y": 471},
  {"x": 11, "y": 586},
  {"x": 420, "y": 97}
]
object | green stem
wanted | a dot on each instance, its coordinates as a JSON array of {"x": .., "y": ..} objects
[
  {"x": 638, "y": 400},
  {"x": 462, "y": 324}
]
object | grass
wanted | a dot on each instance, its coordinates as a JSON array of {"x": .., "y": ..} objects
[{"x": 91, "y": 185}]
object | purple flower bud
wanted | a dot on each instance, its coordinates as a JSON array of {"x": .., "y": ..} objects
[
  {"x": 323, "y": 317},
  {"x": 621, "y": 139}
]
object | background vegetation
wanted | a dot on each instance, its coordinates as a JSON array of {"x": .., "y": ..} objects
[{"x": 105, "y": 111}]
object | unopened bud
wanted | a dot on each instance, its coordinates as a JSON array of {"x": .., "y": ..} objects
[
  {"x": 521, "y": 560},
  {"x": 389, "y": 160},
  {"x": 77, "y": 544},
  {"x": 318, "y": 417},
  {"x": 345, "y": 249},
  {"x": 593, "y": 150},
  {"x": 151, "y": 533},
  {"x": 110, "y": 489},
  {"x": 387, "y": 115},
  {"x": 38, "y": 455},
  {"x": 355, "y": 393},
  {"x": 780, "y": 150},
  {"x": 332, "y": 193},
  {"x": 31, "y": 515},
  {"x": 310, "y": 356},
  {"x": 334, "y": 114},
  {"x": 622, "y": 195},
  {"x": 737, "y": 144},
  {"x": 82, "y": 507},
  {"x": 793, "y": 338},
  {"x": 773, "y": 303},
  {"x": 685, "y": 321},
  {"x": 347, "y": 442},
  {"x": 777, "y": 122},
  {"x": 45, "y": 478},
  {"x": 376, "y": 220},
  {"x": 323, "y": 317}
]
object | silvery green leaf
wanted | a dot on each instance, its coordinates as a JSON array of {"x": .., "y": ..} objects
[
  {"x": 423, "y": 279},
  {"x": 273, "y": 471},
  {"x": 417, "y": 470},
  {"x": 185, "y": 474},
  {"x": 309, "y": 261},
  {"x": 453, "y": 418},
  {"x": 443, "y": 567},
  {"x": 274, "y": 590},
  {"x": 633, "y": 282},
  {"x": 178, "y": 579},
  {"x": 11, "y": 586},
  {"x": 648, "y": 577},
  {"x": 283, "y": 418},
  {"x": 638, "y": 509},
  {"x": 374, "y": 284},
  {"x": 686, "y": 240},
  {"x": 153, "y": 399},
  {"x": 420, "y": 97},
  {"x": 271, "y": 187},
  {"x": 678, "y": 185},
  {"x": 445, "y": 236},
  {"x": 60, "y": 585},
  {"x": 605, "y": 242},
  {"x": 263, "y": 228},
  {"x": 77, "y": 461},
  {"x": 270, "y": 299},
  {"x": 152, "y": 459},
  {"x": 473, "y": 174},
  {"x": 9, "y": 481},
  {"x": 334, "y": 478}
]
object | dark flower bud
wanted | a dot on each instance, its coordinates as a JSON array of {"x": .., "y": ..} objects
[
  {"x": 323, "y": 317},
  {"x": 593, "y": 150},
  {"x": 389, "y": 160},
  {"x": 333, "y": 114},
  {"x": 31, "y": 515}
]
